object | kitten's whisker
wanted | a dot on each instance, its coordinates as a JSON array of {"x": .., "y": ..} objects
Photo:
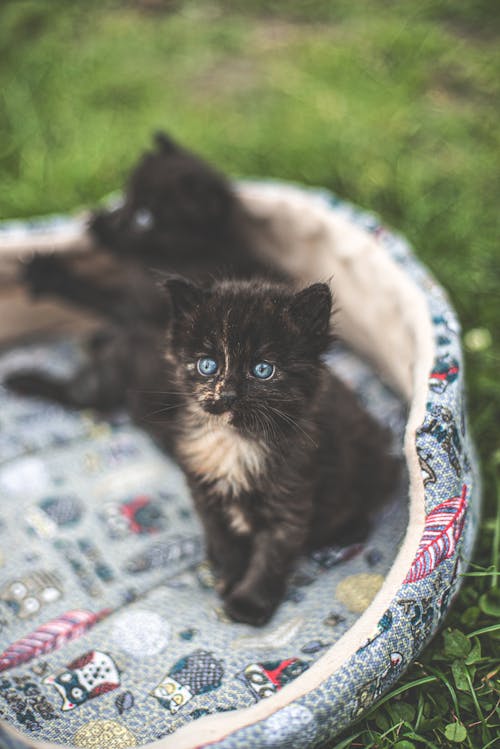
[
  {"x": 293, "y": 423},
  {"x": 268, "y": 426},
  {"x": 165, "y": 409},
  {"x": 265, "y": 425},
  {"x": 157, "y": 392}
]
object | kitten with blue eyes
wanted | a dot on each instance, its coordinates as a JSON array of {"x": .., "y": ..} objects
[{"x": 279, "y": 455}]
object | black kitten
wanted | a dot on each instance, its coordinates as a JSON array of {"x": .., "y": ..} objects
[
  {"x": 279, "y": 455},
  {"x": 179, "y": 211},
  {"x": 179, "y": 215}
]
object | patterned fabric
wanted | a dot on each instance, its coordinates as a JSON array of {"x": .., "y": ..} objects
[{"x": 111, "y": 634}]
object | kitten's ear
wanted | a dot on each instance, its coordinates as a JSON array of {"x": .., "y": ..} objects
[
  {"x": 311, "y": 309},
  {"x": 164, "y": 142},
  {"x": 184, "y": 295}
]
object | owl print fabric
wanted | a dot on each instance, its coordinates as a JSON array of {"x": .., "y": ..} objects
[
  {"x": 110, "y": 609},
  {"x": 89, "y": 676}
]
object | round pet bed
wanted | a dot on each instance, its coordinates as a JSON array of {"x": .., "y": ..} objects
[{"x": 111, "y": 634}]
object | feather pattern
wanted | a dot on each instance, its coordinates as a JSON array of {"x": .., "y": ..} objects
[
  {"x": 50, "y": 636},
  {"x": 443, "y": 527}
]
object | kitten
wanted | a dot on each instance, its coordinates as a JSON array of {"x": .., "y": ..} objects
[
  {"x": 179, "y": 211},
  {"x": 179, "y": 215},
  {"x": 279, "y": 456}
]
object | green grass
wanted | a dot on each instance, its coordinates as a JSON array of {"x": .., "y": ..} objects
[{"x": 394, "y": 105}]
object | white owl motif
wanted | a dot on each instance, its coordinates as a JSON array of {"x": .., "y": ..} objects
[{"x": 89, "y": 676}]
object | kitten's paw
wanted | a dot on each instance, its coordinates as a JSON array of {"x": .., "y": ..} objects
[
  {"x": 225, "y": 584},
  {"x": 24, "y": 383},
  {"x": 36, "y": 385},
  {"x": 249, "y": 607},
  {"x": 44, "y": 274},
  {"x": 222, "y": 587}
]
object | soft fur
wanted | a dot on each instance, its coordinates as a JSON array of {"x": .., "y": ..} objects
[
  {"x": 276, "y": 467},
  {"x": 178, "y": 215},
  {"x": 181, "y": 213}
]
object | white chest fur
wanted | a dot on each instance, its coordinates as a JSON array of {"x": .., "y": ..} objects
[{"x": 221, "y": 455}]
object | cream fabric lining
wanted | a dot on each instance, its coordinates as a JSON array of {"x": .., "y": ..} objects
[{"x": 383, "y": 314}]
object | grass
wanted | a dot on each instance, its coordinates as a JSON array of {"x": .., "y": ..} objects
[{"x": 394, "y": 105}]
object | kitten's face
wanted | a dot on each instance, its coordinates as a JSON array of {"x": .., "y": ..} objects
[
  {"x": 248, "y": 353},
  {"x": 171, "y": 195}
]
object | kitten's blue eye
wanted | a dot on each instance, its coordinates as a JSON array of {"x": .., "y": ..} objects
[
  {"x": 207, "y": 366},
  {"x": 143, "y": 219},
  {"x": 263, "y": 370}
]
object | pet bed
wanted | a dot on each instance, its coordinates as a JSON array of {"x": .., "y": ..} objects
[{"x": 111, "y": 634}]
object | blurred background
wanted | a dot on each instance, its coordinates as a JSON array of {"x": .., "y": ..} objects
[{"x": 392, "y": 104}]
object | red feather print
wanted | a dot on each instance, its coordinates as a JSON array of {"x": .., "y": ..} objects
[
  {"x": 107, "y": 686},
  {"x": 50, "y": 636},
  {"x": 82, "y": 661},
  {"x": 443, "y": 527}
]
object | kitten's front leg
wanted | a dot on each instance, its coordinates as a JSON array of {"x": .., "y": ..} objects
[
  {"x": 254, "y": 599},
  {"x": 228, "y": 553},
  {"x": 52, "y": 275},
  {"x": 133, "y": 299}
]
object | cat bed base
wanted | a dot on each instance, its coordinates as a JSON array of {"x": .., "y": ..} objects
[{"x": 111, "y": 634}]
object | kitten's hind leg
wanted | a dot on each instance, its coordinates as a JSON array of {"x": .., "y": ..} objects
[
  {"x": 83, "y": 390},
  {"x": 123, "y": 364},
  {"x": 36, "y": 384},
  {"x": 100, "y": 382}
]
